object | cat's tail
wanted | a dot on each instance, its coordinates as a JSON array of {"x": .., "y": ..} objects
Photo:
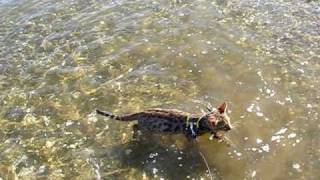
[
  {"x": 108, "y": 114},
  {"x": 115, "y": 117}
]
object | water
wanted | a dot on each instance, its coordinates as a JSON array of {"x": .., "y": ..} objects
[{"x": 59, "y": 60}]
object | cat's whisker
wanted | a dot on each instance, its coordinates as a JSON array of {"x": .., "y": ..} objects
[
  {"x": 235, "y": 129},
  {"x": 236, "y": 122},
  {"x": 235, "y": 126},
  {"x": 228, "y": 141}
]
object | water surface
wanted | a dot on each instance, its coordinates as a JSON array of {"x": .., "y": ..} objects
[{"x": 59, "y": 60}]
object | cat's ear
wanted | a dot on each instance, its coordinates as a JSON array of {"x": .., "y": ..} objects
[{"x": 222, "y": 108}]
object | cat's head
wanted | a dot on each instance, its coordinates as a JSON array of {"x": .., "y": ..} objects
[{"x": 218, "y": 119}]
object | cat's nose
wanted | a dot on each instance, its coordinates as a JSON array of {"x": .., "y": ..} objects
[{"x": 228, "y": 128}]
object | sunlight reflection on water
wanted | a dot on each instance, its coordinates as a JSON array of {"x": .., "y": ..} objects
[{"x": 61, "y": 60}]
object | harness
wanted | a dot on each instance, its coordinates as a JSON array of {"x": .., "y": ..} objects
[{"x": 192, "y": 128}]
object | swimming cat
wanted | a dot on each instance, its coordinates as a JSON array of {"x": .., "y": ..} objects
[{"x": 178, "y": 122}]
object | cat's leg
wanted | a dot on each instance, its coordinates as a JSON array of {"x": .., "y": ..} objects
[
  {"x": 136, "y": 132},
  {"x": 217, "y": 135},
  {"x": 190, "y": 137},
  {"x": 141, "y": 134}
]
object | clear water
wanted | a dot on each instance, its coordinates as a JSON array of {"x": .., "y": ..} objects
[{"x": 59, "y": 60}]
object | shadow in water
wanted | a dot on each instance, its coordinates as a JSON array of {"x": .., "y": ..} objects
[{"x": 162, "y": 160}]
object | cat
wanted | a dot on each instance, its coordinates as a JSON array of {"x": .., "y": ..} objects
[{"x": 178, "y": 122}]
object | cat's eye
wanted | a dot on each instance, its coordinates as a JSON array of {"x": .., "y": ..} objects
[{"x": 220, "y": 123}]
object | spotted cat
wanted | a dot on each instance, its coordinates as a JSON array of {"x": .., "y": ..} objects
[{"x": 178, "y": 122}]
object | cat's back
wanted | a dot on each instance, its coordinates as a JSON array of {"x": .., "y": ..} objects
[
  {"x": 167, "y": 113},
  {"x": 163, "y": 120}
]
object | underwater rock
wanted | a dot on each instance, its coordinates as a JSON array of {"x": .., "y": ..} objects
[{"x": 15, "y": 114}]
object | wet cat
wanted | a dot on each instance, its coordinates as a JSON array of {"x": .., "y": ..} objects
[{"x": 178, "y": 122}]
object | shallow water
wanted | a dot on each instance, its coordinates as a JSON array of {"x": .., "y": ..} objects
[{"x": 61, "y": 60}]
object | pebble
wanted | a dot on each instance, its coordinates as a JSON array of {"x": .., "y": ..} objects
[
  {"x": 296, "y": 166},
  {"x": 260, "y": 114},
  {"x": 15, "y": 114},
  {"x": 281, "y": 131},
  {"x": 154, "y": 170},
  {"x": 253, "y": 174},
  {"x": 276, "y": 138},
  {"x": 266, "y": 148},
  {"x": 259, "y": 141},
  {"x": 292, "y": 135},
  {"x": 250, "y": 108}
]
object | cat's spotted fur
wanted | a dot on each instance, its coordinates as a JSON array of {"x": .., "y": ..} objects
[{"x": 175, "y": 121}]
